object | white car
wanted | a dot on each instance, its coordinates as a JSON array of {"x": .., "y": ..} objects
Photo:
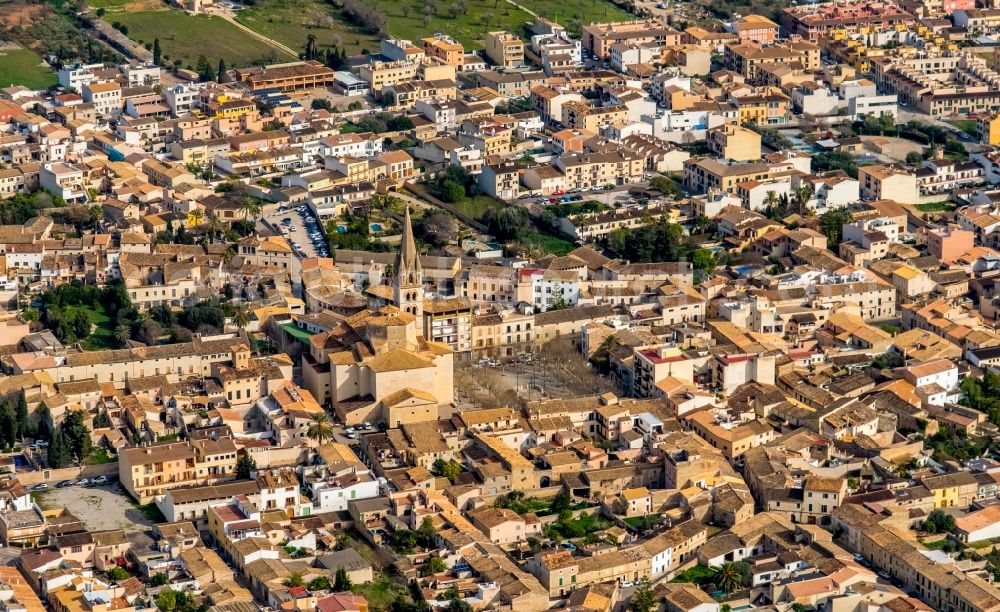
[{"x": 99, "y": 480}]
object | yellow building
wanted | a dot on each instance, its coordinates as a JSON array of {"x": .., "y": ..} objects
[
  {"x": 988, "y": 129},
  {"x": 732, "y": 141},
  {"x": 952, "y": 490},
  {"x": 504, "y": 49},
  {"x": 232, "y": 109},
  {"x": 583, "y": 116},
  {"x": 443, "y": 48},
  {"x": 763, "y": 108}
]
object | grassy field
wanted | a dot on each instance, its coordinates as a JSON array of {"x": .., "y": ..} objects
[
  {"x": 23, "y": 67},
  {"x": 575, "y": 14},
  {"x": 107, "y": 4},
  {"x": 936, "y": 207},
  {"x": 966, "y": 125},
  {"x": 186, "y": 37},
  {"x": 103, "y": 336},
  {"x": 290, "y": 22},
  {"x": 380, "y": 593},
  {"x": 406, "y": 20},
  {"x": 476, "y": 207}
]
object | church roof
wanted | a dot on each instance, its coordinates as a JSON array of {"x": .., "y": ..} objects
[{"x": 399, "y": 359}]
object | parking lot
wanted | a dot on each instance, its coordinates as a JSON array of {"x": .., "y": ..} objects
[
  {"x": 301, "y": 229},
  {"x": 102, "y": 507}
]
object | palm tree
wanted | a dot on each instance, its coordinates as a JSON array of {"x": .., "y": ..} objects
[
  {"x": 321, "y": 427},
  {"x": 241, "y": 316},
  {"x": 250, "y": 208},
  {"x": 96, "y": 211},
  {"x": 802, "y": 196},
  {"x": 729, "y": 576},
  {"x": 771, "y": 199},
  {"x": 214, "y": 225},
  {"x": 228, "y": 255},
  {"x": 122, "y": 334},
  {"x": 195, "y": 217}
]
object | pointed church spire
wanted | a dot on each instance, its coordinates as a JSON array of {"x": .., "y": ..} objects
[
  {"x": 408, "y": 282},
  {"x": 407, "y": 260}
]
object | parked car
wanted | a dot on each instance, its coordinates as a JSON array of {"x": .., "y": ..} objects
[
  {"x": 83, "y": 481},
  {"x": 40, "y": 487},
  {"x": 64, "y": 484},
  {"x": 99, "y": 480}
]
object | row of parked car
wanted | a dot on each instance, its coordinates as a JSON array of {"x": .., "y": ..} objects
[{"x": 95, "y": 481}]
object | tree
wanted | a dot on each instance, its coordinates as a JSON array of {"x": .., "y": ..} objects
[
  {"x": 643, "y": 600},
  {"x": 76, "y": 434},
  {"x": 913, "y": 158},
  {"x": 245, "y": 467},
  {"x": 8, "y": 424},
  {"x": 831, "y": 223},
  {"x": 295, "y": 580},
  {"x": 321, "y": 428},
  {"x": 21, "y": 412},
  {"x": 435, "y": 565},
  {"x": 57, "y": 455},
  {"x": 439, "y": 228},
  {"x": 939, "y": 522},
  {"x": 250, "y": 208},
  {"x": 561, "y": 501},
  {"x": 117, "y": 574},
  {"x": 241, "y": 316},
  {"x": 166, "y": 600},
  {"x": 195, "y": 217},
  {"x": 731, "y": 576},
  {"x": 311, "y": 47},
  {"x": 703, "y": 260},
  {"x": 388, "y": 99},
  {"x": 156, "y": 51},
  {"x": 122, "y": 334},
  {"x": 341, "y": 581},
  {"x": 214, "y": 226},
  {"x": 158, "y": 579},
  {"x": 228, "y": 256},
  {"x": 449, "y": 469},
  {"x": 44, "y": 422},
  {"x": 223, "y": 72},
  {"x": 320, "y": 583},
  {"x": 426, "y": 531}
]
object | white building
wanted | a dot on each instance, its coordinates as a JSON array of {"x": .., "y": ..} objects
[
  {"x": 182, "y": 99},
  {"x": 140, "y": 75},
  {"x": 75, "y": 76},
  {"x": 63, "y": 180},
  {"x": 332, "y": 493}
]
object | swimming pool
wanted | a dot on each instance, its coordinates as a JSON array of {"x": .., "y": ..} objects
[
  {"x": 376, "y": 227},
  {"x": 341, "y": 229}
]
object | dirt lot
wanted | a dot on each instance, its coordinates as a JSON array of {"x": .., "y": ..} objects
[
  {"x": 895, "y": 148},
  {"x": 554, "y": 372},
  {"x": 98, "y": 507}
]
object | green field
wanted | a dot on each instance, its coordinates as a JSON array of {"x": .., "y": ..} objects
[
  {"x": 22, "y": 67},
  {"x": 291, "y": 22},
  {"x": 476, "y": 206},
  {"x": 468, "y": 28},
  {"x": 186, "y": 37},
  {"x": 103, "y": 336},
  {"x": 966, "y": 125},
  {"x": 573, "y": 15},
  {"x": 107, "y": 4}
]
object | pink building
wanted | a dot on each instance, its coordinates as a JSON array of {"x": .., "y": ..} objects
[{"x": 949, "y": 243}]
